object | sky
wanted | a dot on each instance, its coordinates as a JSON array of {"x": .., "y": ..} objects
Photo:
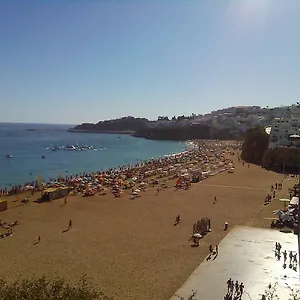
[{"x": 85, "y": 61}]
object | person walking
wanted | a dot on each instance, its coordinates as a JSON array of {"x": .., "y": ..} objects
[
  {"x": 70, "y": 224},
  {"x": 231, "y": 287},
  {"x": 295, "y": 259},
  {"x": 39, "y": 239},
  {"x": 279, "y": 247},
  {"x": 237, "y": 287},
  {"x": 284, "y": 256},
  {"x": 241, "y": 289},
  {"x": 217, "y": 250},
  {"x": 225, "y": 226},
  {"x": 215, "y": 200},
  {"x": 228, "y": 285}
]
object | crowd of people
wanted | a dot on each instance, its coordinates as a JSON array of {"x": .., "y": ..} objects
[
  {"x": 293, "y": 261},
  {"x": 206, "y": 158},
  {"x": 235, "y": 289}
]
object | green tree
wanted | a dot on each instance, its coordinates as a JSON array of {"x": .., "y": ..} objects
[{"x": 44, "y": 289}]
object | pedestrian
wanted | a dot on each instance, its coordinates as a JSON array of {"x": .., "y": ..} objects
[
  {"x": 237, "y": 287},
  {"x": 217, "y": 249},
  {"x": 279, "y": 247},
  {"x": 295, "y": 258},
  {"x": 70, "y": 224},
  {"x": 225, "y": 226},
  {"x": 211, "y": 250},
  {"x": 284, "y": 256},
  {"x": 39, "y": 239},
  {"x": 231, "y": 286},
  {"x": 241, "y": 289},
  {"x": 228, "y": 284},
  {"x": 291, "y": 256},
  {"x": 177, "y": 220},
  {"x": 66, "y": 201},
  {"x": 215, "y": 200}
]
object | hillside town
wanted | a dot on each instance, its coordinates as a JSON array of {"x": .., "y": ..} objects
[
  {"x": 227, "y": 123},
  {"x": 235, "y": 118},
  {"x": 285, "y": 130}
]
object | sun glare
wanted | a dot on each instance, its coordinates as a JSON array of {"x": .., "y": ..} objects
[{"x": 243, "y": 14}]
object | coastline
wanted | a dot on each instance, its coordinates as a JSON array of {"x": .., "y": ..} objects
[
  {"x": 32, "y": 156},
  {"x": 189, "y": 147}
]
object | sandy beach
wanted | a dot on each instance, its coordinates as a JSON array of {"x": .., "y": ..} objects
[{"x": 129, "y": 248}]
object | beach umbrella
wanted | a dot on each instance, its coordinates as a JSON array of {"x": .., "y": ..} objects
[
  {"x": 197, "y": 235},
  {"x": 284, "y": 200}
]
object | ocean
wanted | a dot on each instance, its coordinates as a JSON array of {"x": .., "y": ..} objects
[{"x": 28, "y": 146}]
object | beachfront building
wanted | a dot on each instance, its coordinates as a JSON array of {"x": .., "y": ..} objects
[{"x": 285, "y": 132}]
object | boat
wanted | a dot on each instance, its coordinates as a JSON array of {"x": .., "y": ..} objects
[
  {"x": 70, "y": 148},
  {"x": 8, "y": 156}
]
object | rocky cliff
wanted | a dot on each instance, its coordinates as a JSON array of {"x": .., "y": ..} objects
[
  {"x": 143, "y": 128},
  {"x": 255, "y": 145},
  {"x": 125, "y": 125}
]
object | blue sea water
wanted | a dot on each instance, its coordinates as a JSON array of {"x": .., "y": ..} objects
[{"x": 28, "y": 147}]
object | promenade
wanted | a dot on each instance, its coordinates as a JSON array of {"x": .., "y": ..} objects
[{"x": 248, "y": 255}]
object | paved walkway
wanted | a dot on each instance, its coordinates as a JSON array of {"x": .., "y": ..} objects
[{"x": 247, "y": 255}]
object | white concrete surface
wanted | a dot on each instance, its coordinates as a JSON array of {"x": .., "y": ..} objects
[{"x": 248, "y": 255}]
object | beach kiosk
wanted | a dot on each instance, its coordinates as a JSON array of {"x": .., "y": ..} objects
[
  {"x": 54, "y": 193},
  {"x": 3, "y": 205}
]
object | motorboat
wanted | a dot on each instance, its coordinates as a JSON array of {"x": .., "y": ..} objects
[{"x": 8, "y": 156}]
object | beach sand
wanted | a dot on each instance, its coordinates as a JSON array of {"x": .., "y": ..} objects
[{"x": 130, "y": 248}]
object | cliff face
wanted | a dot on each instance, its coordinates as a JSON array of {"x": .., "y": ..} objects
[
  {"x": 255, "y": 145},
  {"x": 129, "y": 124},
  {"x": 282, "y": 158},
  {"x": 256, "y": 150}
]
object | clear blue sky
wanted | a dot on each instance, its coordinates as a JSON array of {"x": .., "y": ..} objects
[{"x": 84, "y": 61}]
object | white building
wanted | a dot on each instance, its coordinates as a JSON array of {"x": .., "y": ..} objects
[{"x": 285, "y": 132}]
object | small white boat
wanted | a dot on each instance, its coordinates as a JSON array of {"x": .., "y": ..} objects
[
  {"x": 70, "y": 148},
  {"x": 8, "y": 156}
]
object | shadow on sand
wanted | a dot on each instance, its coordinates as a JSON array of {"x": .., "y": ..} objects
[{"x": 229, "y": 296}]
